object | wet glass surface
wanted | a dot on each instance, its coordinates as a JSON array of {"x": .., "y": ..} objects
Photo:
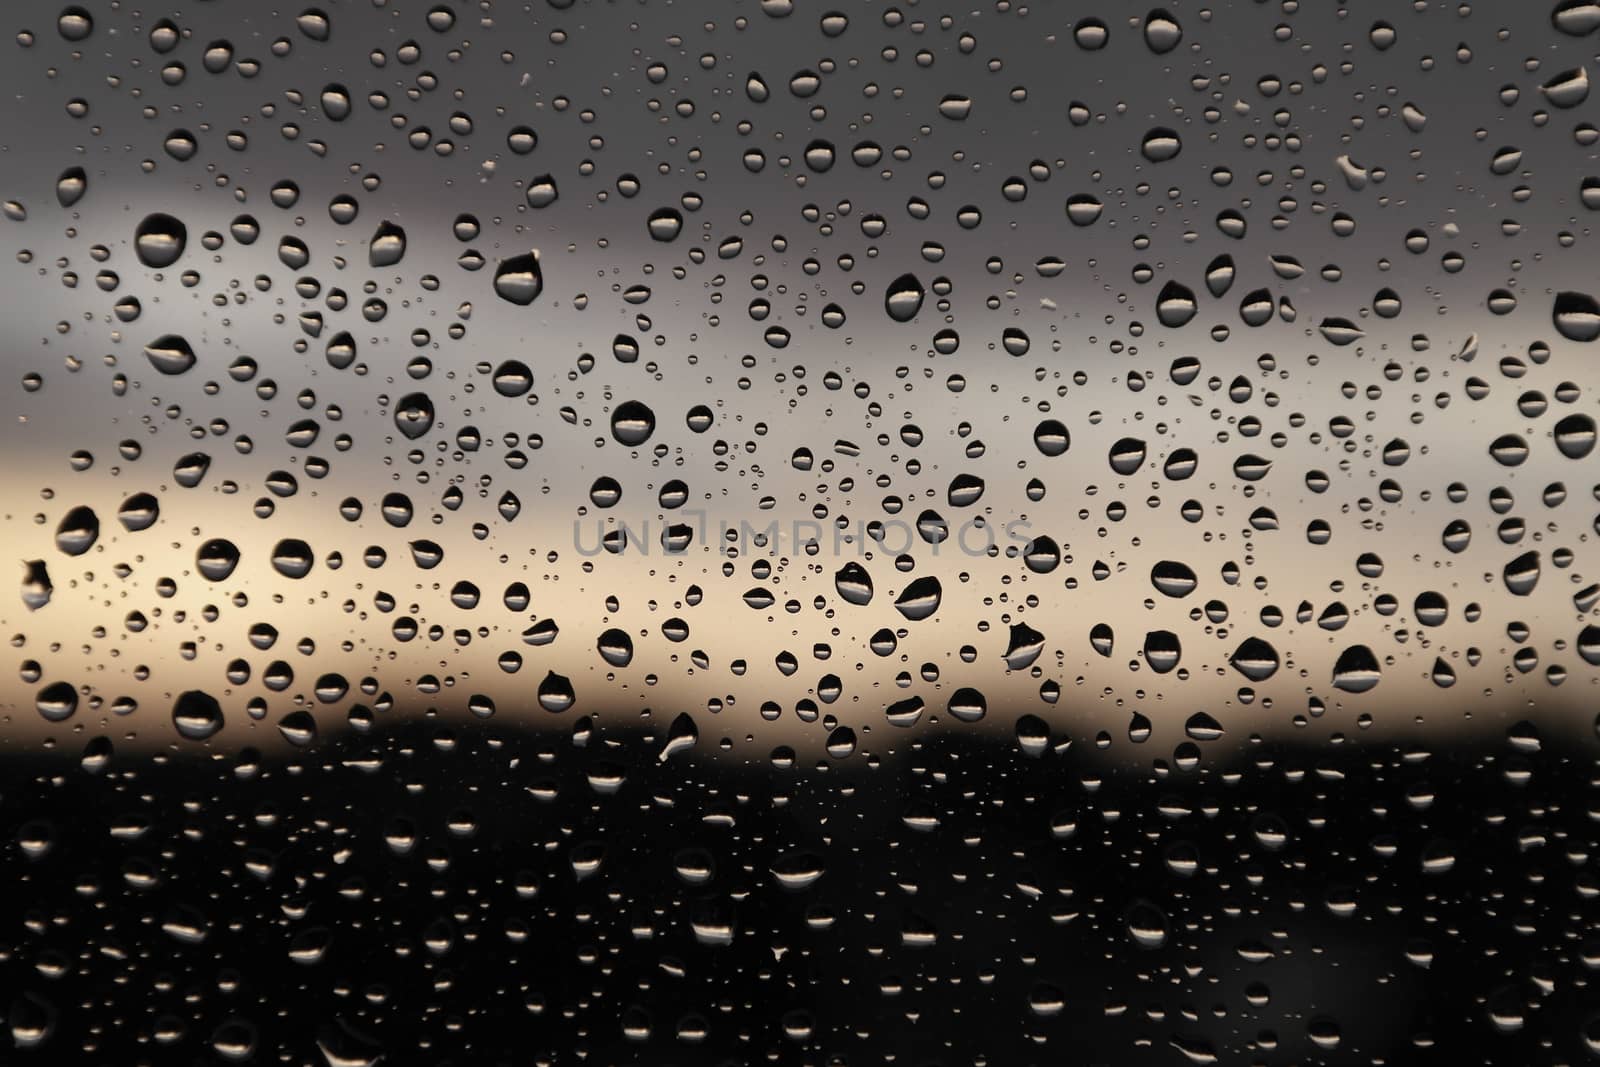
[{"x": 758, "y": 532}]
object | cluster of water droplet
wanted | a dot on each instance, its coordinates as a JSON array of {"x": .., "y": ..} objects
[{"x": 1166, "y": 420}]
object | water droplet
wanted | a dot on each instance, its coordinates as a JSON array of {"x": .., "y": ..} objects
[
  {"x": 903, "y": 299},
  {"x": 71, "y": 186},
  {"x": 413, "y": 415},
  {"x": 159, "y": 240},
  {"x": 196, "y": 715},
  {"x": 388, "y": 245},
  {"x": 170, "y": 354},
  {"x": 1576, "y": 316},
  {"x": 519, "y": 279}
]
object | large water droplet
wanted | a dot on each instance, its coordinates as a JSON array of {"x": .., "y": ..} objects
[
  {"x": 388, "y": 245},
  {"x": 71, "y": 186},
  {"x": 903, "y": 299},
  {"x": 196, "y": 715},
  {"x": 632, "y": 423},
  {"x": 159, "y": 240},
  {"x": 170, "y": 354},
  {"x": 1576, "y": 316},
  {"x": 413, "y": 415},
  {"x": 519, "y": 279}
]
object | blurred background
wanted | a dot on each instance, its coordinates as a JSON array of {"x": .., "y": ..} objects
[{"x": 1158, "y": 619}]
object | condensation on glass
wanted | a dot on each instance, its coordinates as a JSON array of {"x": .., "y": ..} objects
[{"x": 564, "y": 532}]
